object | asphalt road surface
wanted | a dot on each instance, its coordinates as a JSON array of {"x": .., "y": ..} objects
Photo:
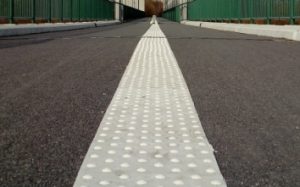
[
  {"x": 247, "y": 93},
  {"x": 55, "y": 88}
]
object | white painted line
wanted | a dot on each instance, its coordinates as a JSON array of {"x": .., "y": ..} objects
[{"x": 151, "y": 134}]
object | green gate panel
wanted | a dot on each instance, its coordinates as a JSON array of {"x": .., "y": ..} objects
[
  {"x": 222, "y": 10},
  {"x": 172, "y": 14},
  {"x": 56, "y": 10}
]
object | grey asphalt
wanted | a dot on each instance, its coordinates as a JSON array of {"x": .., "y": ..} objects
[
  {"x": 55, "y": 88},
  {"x": 247, "y": 92}
]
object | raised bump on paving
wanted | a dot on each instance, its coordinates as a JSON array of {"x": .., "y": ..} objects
[{"x": 151, "y": 134}]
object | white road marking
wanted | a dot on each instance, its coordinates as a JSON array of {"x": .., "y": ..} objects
[{"x": 151, "y": 134}]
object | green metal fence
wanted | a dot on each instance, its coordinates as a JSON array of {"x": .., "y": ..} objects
[
  {"x": 56, "y": 10},
  {"x": 172, "y": 14},
  {"x": 222, "y": 10}
]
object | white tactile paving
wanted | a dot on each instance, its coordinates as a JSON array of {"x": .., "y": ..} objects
[{"x": 151, "y": 134}]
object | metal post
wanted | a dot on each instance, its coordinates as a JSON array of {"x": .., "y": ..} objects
[
  {"x": 33, "y": 11},
  {"x": 292, "y": 11},
  {"x": 91, "y": 11},
  {"x": 79, "y": 9},
  {"x": 251, "y": 11},
  {"x": 239, "y": 11},
  {"x": 229, "y": 13},
  {"x": 88, "y": 11},
  {"x": 71, "y": 10},
  {"x": 50, "y": 4},
  {"x": 11, "y": 16},
  {"x": 62, "y": 11},
  {"x": 269, "y": 11}
]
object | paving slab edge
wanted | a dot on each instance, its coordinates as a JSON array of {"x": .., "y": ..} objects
[
  {"x": 16, "y": 30},
  {"x": 287, "y": 32}
]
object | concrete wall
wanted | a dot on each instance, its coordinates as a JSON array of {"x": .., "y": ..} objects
[
  {"x": 119, "y": 9},
  {"x": 183, "y": 12},
  {"x": 172, "y": 3},
  {"x": 117, "y": 12},
  {"x": 138, "y": 4}
]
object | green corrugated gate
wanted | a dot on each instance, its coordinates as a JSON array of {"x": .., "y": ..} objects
[
  {"x": 222, "y": 10},
  {"x": 172, "y": 14},
  {"x": 56, "y": 10}
]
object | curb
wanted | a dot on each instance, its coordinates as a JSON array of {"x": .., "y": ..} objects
[
  {"x": 16, "y": 30},
  {"x": 287, "y": 31}
]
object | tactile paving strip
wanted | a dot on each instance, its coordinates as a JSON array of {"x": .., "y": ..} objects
[{"x": 151, "y": 134}]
